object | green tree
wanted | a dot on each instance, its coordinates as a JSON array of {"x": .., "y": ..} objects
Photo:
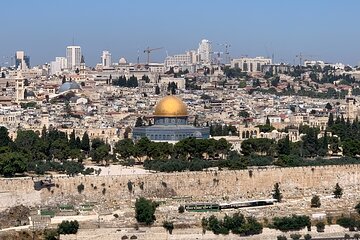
[
  {"x": 12, "y": 163},
  {"x": 68, "y": 227},
  {"x": 328, "y": 107},
  {"x": 5, "y": 140},
  {"x": 244, "y": 114},
  {"x": 357, "y": 208},
  {"x": 284, "y": 146},
  {"x": 85, "y": 142},
  {"x": 338, "y": 191},
  {"x": 277, "y": 193},
  {"x": 315, "y": 201},
  {"x": 145, "y": 210},
  {"x": 72, "y": 140},
  {"x": 139, "y": 122},
  {"x": 125, "y": 148},
  {"x": 157, "y": 90}
]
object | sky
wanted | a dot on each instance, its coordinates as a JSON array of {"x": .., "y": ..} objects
[{"x": 319, "y": 29}]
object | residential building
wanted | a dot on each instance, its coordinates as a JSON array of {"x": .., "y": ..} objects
[{"x": 247, "y": 64}]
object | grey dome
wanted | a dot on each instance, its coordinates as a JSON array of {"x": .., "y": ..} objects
[{"x": 69, "y": 86}]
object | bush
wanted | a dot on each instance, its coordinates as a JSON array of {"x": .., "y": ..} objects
[
  {"x": 320, "y": 227},
  {"x": 293, "y": 223},
  {"x": 357, "y": 236},
  {"x": 116, "y": 215},
  {"x": 130, "y": 186},
  {"x": 295, "y": 236},
  {"x": 338, "y": 191},
  {"x": 315, "y": 202},
  {"x": 347, "y": 222},
  {"x": 80, "y": 188},
  {"x": 307, "y": 237},
  {"x": 51, "y": 234},
  {"x": 169, "y": 226},
  {"x": 281, "y": 237},
  {"x": 68, "y": 227},
  {"x": 357, "y": 208},
  {"x": 181, "y": 209},
  {"x": 144, "y": 211}
]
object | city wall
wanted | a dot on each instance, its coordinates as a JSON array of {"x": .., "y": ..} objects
[{"x": 296, "y": 182}]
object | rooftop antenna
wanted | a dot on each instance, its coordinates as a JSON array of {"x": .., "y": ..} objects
[
  {"x": 138, "y": 57},
  {"x": 73, "y": 41}
]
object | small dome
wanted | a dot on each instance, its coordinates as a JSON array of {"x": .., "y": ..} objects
[
  {"x": 69, "y": 86},
  {"x": 122, "y": 61},
  {"x": 171, "y": 106}
]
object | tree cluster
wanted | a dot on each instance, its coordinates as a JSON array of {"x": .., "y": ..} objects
[
  {"x": 237, "y": 224},
  {"x": 50, "y": 150},
  {"x": 223, "y": 130},
  {"x": 68, "y": 227},
  {"x": 132, "y": 82},
  {"x": 189, "y": 148},
  {"x": 293, "y": 223}
]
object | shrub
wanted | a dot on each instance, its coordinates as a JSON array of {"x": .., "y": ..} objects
[
  {"x": 357, "y": 208},
  {"x": 276, "y": 192},
  {"x": 116, "y": 215},
  {"x": 320, "y": 227},
  {"x": 169, "y": 226},
  {"x": 346, "y": 222},
  {"x": 181, "y": 209},
  {"x": 295, "y": 236},
  {"x": 357, "y": 236},
  {"x": 347, "y": 236},
  {"x": 338, "y": 191},
  {"x": 281, "y": 237},
  {"x": 51, "y": 234},
  {"x": 80, "y": 188},
  {"x": 307, "y": 237},
  {"x": 130, "y": 186},
  {"x": 315, "y": 202}
]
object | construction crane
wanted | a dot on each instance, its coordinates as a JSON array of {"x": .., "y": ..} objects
[
  {"x": 148, "y": 50},
  {"x": 301, "y": 57}
]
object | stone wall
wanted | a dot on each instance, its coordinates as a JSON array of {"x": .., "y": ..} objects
[{"x": 202, "y": 186}]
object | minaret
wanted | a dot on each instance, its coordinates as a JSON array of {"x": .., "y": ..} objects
[{"x": 351, "y": 109}]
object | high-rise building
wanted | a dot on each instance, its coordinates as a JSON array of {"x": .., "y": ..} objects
[
  {"x": 58, "y": 65},
  {"x": 21, "y": 60},
  {"x": 106, "y": 59},
  {"x": 73, "y": 57},
  {"x": 204, "y": 51}
]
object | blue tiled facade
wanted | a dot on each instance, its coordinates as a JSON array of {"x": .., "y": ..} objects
[{"x": 170, "y": 129}]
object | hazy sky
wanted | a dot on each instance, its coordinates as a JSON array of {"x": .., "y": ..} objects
[{"x": 324, "y": 29}]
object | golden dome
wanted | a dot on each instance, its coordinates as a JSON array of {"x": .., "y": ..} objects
[{"x": 170, "y": 106}]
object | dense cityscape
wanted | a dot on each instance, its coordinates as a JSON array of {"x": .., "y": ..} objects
[{"x": 207, "y": 143}]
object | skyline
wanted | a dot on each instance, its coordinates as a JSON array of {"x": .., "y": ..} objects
[{"x": 323, "y": 29}]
